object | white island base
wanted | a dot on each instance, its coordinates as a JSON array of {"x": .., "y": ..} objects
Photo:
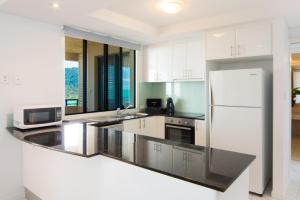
[{"x": 52, "y": 175}]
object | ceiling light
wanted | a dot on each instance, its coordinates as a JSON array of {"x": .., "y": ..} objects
[
  {"x": 55, "y": 5},
  {"x": 218, "y": 35},
  {"x": 170, "y": 6}
]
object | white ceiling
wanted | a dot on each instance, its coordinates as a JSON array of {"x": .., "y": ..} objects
[{"x": 140, "y": 21}]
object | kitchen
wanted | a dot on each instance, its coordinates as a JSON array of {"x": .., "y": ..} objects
[{"x": 180, "y": 68}]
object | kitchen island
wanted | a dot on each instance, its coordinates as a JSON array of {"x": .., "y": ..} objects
[{"x": 82, "y": 161}]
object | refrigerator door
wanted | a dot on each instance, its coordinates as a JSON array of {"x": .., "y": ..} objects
[
  {"x": 240, "y": 129},
  {"x": 236, "y": 87}
]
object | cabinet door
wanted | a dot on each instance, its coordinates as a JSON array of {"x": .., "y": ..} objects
[
  {"x": 254, "y": 40},
  {"x": 150, "y": 64},
  {"x": 153, "y": 126},
  {"x": 220, "y": 44},
  {"x": 164, "y": 54},
  {"x": 179, "y": 71},
  {"x": 195, "y": 165},
  {"x": 128, "y": 147},
  {"x": 147, "y": 153},
  {"x": 195, "y": 58},
  {"x": 148, "y": 126},
  {"x": 179, "y": 162},
  {"x": 165, "y": 157},
  {"x": 132, "y": 126},
  {"x": 200, "y": 133},
  {"x": 160, "y": 127}
]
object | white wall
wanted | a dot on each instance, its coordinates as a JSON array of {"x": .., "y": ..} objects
[
  {"x": 281, "y": 108},
  {"x": 294, "y": 35},
  {"x": 34, "y": 52}
]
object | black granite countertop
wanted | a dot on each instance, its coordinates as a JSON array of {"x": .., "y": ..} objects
[
  {"x": 196, "y": 116},
  {"x": 212, "y": 168}
]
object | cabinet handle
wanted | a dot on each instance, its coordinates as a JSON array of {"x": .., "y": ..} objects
[
  {"x": 140, "y": 121},
  {"x": 159, "y": 147},
  {"x": 184, "y": 156},
  {"x": 144, "y": 123},
  {"x": 189, "y": 158},
  {"x": 238, "y": 46},
  {"x": 155, "y": 148}
]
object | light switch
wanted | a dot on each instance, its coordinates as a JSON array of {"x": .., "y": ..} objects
[{"x": 4, "y": 79}]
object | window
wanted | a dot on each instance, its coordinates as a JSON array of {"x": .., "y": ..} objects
[
  {"x": 73, "y": 75},
  {"x": 98, "y": 77}
]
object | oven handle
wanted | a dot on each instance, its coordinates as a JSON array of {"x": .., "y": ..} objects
[{"x": 179, "y": 127}]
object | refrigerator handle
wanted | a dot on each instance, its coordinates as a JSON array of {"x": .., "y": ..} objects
[
  {"x": 210, "y": 125},
  {"x": 210, "y": 96}
]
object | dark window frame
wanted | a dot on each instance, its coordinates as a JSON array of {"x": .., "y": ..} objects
[{"x": 103, "y": 105}]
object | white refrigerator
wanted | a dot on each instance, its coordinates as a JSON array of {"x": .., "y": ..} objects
[{"x": 240, "y": 118}]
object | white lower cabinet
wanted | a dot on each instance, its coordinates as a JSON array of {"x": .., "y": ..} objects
[
  {"x": 132, "y": 126},
  {"x": 153, "y": 126},
  {"x": 200, "y": 133}
]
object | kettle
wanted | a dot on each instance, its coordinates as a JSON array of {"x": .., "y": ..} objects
[{"x": 170, "y": 107}]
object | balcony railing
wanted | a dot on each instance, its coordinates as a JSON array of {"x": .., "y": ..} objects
[{"x": 71, "y": 102}]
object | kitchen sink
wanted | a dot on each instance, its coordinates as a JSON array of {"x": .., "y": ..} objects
[
  {"x": 115, "y": 119},
  {"x": 139, "y": 114},
  {"x": 131, "y": 116}
]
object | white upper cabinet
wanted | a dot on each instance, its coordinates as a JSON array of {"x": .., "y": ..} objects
[
  {"x": 242, "y": 41},
  {"x": 180, "y": 60},
  {"x": 188, "y": 60},
  {"x": 150, "y": 63},
  {"x": 254, "y": 40},
  {"x": 220, "y": 44},
  {"x": 195, "y": 62},
  {"x": 157, "y": 63},
  {"x": 164, "y": 63}
]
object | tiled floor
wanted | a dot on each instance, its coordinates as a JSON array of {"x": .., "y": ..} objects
[{"x": 293, "y": 193}]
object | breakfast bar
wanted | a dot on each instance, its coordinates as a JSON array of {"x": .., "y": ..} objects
[{"x": 80, "y": 160}]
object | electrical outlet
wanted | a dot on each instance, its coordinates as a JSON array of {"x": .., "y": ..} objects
[{"x": 4, "y": 79}]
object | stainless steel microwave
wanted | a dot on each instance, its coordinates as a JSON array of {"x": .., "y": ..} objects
[{"x": 37, "y": 116}]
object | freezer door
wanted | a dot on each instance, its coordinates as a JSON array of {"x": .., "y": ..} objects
[
  {"x": 236, "y": 87},
  {"x": 240, "y": 130}
]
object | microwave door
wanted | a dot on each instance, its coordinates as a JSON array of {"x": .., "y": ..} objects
[{"x": 39, "y": 116}]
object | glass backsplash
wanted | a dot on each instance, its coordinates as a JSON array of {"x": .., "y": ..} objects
[{"x": 187, "y": 96}]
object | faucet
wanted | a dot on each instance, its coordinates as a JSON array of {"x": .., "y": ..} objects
[{"x": 120, "y": 112}]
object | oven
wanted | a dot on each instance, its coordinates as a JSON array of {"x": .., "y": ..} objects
[{"x": 180, "y": 130}]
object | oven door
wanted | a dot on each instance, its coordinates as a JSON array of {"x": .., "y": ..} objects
[{"x": 182, "y": 134}]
